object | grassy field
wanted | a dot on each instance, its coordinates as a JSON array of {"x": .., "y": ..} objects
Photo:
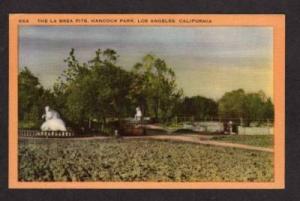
[
  {"x": 138, "y": 160},
  {"x": 255, "y": 140}
]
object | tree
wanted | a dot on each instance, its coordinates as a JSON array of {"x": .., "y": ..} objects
[
  {"x": 69, "y": 92},
  {"x": 231, "y": 105},
  {"x": 254, "y": 106},
  {"x": 248, "y": 106},
  {"x": 95, "y": 90},
  {"x": 258, "y": 107},
  {"x": 268, "y": 110},
  {"x": 199, "y": 107},
  {"x": 111, "y": 83},
  {"x": 154, "y": 88},
  {"x": 32, "y": 98}
]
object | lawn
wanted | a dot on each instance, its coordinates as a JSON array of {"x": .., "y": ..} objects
[
  {"x": 138, "y": 160},
  {"x": 255, "y": 140}
]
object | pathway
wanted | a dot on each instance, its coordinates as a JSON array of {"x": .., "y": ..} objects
[{"x": 201, "y": 139}]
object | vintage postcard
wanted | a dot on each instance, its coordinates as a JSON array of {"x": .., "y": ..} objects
[{"x": 142, "y": 101}]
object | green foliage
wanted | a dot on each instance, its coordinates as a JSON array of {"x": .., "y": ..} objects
[
  {"x": 96, "y": 90},
  {"x": 99, "y": 90},
  {"x": 139, "y": 160},
  {"x": 249, "y": 106},
  {"x": 31, "y": 98},
  {"x": 197, "y": 106},
  {"x": 154, "y": 88},
  {"x": 231, "y": 105}
]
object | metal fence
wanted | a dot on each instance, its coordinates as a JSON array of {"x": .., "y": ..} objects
[{"x": 47, "y": 134}]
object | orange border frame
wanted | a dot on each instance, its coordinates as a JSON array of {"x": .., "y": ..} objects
[{"x": 276, "y": 21}]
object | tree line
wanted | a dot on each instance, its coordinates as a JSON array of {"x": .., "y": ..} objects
[{"x": 100, "y": 91}]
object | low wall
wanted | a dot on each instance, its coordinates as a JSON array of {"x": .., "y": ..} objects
[
  {"x": 209, "y": 126},
  {"x": 255, "y": 130}
]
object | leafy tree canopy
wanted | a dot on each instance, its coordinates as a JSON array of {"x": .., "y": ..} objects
[
  {"x": 199, "y": 107},
  {"x": 249, "y": 106},
  {"x": 154, "y": 88}
]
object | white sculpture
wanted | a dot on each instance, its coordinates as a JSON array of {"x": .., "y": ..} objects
[
  {"x": 138, "y": 115},
  {"x": 52, "y": 121},
  {"x": 50, "y": 114},
  {"x": 230, "y": 123}
]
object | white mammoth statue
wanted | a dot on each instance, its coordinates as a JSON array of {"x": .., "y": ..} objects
[{"x": 53, "y": 122}]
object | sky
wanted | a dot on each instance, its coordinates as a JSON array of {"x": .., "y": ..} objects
[{"x": 207, "y": 61}]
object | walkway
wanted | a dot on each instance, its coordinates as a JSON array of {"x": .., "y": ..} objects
[{"x": 201, "y": 139}]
